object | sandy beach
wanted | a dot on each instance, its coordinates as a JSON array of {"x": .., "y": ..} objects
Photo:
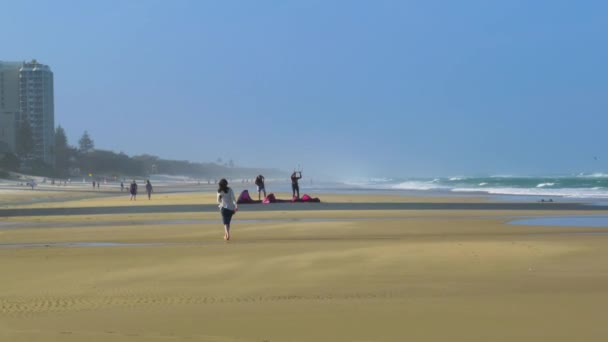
[
  {"x": 298, "y": 275},
  {"x": 432, "y": 171}
]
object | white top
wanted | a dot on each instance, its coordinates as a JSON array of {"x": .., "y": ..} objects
[{"x": 227, "y": 200}]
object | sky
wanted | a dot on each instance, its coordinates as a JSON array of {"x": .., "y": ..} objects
[{"x": 342, "y": 88}]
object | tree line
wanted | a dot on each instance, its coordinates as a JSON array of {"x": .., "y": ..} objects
[{"x": 85, "y": 160}]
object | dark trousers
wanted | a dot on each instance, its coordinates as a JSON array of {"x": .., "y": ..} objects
[
  {"x": 226, "y": 215},
  {"x": 295, "y": 189}
]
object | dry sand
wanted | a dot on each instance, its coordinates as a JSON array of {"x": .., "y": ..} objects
[{"x": 430, "y": 275}]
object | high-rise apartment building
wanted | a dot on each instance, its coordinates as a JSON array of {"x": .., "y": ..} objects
[
  {"x": 26, "y": 93},
  {"x": 37, "y": 106},
  {"x": 9, "y": 105}
]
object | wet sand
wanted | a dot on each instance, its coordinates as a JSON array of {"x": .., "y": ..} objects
[
  {"x": 352, "y": 275},
  {"x": 205, "y": 202}
]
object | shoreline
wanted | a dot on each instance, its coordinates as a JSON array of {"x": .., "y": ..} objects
[{"x": 191, "y": 208}]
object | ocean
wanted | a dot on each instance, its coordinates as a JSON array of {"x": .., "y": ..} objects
[{"x": 582, "y": 186}]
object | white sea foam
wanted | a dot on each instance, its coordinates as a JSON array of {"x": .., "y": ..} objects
[
  {"x": 595, "y": 175},
  {"x": 545, "y": 186},
  {"x": 361, "y": 184},
  {"x": 567, "y": 192},
  {"x": 370, "y": 183},
  {"x": 170, "y": 178},
  {"x": 418, "y": 185},
  {"x": 381, "y": 180}
]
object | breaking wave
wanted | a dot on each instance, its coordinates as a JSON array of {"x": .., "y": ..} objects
[{"x": 593, "y": 185}]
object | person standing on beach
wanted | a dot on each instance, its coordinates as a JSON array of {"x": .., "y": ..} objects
[
  {"x": 259, "y": 181},
  {"x": 227, "y": 204},
  {"x": 295, "y": 188},
  {"x": 133, "y": 191},
  {"x": 148, "y": 188},
  {"x": 122, "y": 186}
]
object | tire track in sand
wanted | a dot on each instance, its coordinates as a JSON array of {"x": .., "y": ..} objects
[{"x": 25, "y": 306}]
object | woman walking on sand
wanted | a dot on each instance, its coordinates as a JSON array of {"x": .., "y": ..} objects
[{"x": 227, "y": 204}]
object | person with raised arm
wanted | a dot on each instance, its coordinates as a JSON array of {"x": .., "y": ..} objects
[{"x": 295, "y": 188}]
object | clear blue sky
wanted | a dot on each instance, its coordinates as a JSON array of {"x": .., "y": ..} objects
[{"x": 365, "y": 88}]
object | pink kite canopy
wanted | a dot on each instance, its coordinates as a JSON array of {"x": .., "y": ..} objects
[
  {"x": 244, "y": 198},
  {"x": 271, "y": 198}
]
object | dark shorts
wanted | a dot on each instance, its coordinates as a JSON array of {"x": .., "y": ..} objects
[
  {"x": 226, "y": 215},
  {"x": 295, "y": 187}
]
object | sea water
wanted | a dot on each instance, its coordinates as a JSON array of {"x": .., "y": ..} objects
[{"x": 582, "y": 186}]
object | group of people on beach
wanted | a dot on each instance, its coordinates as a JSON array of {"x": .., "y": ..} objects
[
  {"x": 225, "y": 196},
  {"x": 295, "y": 187},
  {"x": 228, "y": 204},
  {"x": 133, "y": 189}
]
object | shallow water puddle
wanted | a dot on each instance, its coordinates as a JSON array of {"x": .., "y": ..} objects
[{"x": 598, "y": 221}]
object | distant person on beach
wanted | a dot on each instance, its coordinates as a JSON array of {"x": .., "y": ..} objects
[
  {"x": 98, "y": 185},
  {"x": 295, "y": 188},
  {"x": 227, "y": 205},
  {"x": 133, "y": 191},
  {"x": 93, "y": 184},
  {"x": 122, "y": 186},
  {"x": 259, "y": 181},
  {"x": 148, "y": 188}
]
